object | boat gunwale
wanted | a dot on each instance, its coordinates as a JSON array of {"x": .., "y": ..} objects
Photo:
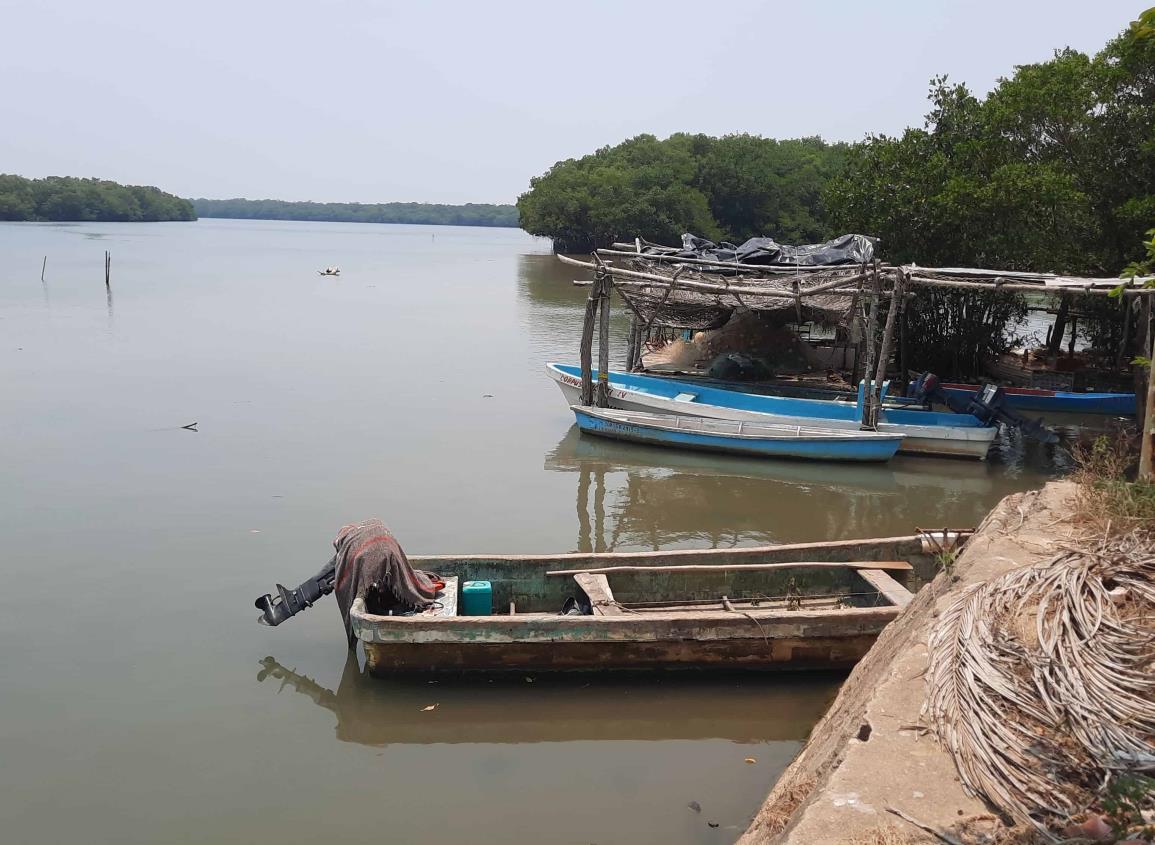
[
  {"x": 773, "y": 623},
  {"x": 735, "y": 551}
]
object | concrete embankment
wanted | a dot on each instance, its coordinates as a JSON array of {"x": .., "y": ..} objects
[{"x": 870, "y": 752}]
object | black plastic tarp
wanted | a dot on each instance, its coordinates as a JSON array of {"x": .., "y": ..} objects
[{"x": 847, "y": 249}]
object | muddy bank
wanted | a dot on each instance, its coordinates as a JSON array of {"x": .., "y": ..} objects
[{"x": 869, "y": 753}]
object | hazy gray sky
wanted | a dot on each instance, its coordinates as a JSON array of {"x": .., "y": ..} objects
[{"x": 456, "y": 102}]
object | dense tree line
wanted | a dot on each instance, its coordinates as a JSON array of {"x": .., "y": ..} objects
[
  {"x": 470, "y": 214},
  {"x": 1054, "y": 170},
  {"x": 732, "y": 187},
  {"x": 65, "y": 198}
]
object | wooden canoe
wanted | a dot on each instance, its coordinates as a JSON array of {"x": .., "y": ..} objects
[{"x": 799, "y": 606}]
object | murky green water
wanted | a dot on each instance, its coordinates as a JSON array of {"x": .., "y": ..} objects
[{"x": 135, "y": 707}]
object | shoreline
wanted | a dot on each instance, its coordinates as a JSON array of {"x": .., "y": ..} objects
[{"x": 869, "y": 752}]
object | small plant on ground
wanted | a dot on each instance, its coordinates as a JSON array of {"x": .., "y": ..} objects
[
  {"x": 1109, "y": 497},
  {"x": 1126, "y": 800}
]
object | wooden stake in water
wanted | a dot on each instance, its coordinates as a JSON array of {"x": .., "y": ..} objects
[
  {"x": 42, "y": 266},
  {"x": 107, "y": 267}
]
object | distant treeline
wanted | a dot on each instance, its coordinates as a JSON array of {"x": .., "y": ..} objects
[
  {"x": 470, "y": 214},
  {"x": 65, "y": 198},
  {"x": 733, "y": 187}
]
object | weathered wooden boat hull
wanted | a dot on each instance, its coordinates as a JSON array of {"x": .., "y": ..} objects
[
  {"x": 591, "y": 643},
  {"x": 847, "y": 582},
  {"x": 1055, "y": 401},
  {"x": 842, "y": 446},
  {"x": 967, "y": 439}
]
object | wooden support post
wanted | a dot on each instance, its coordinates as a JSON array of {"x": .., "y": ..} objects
[
  {"x": 631, "y": 345},
  {"x": 42, "y": 268},
  {"x": 903, "y": 350},
  {"x": 896, "y": 293},
  {"x": 869, "y": 416},
  {"x": 1147, "y": 444},
  {"x": 1060, "y": 327},
  {"x": 1142, "y": 344},
  {"x": 588, "y": 339},
  {"x": 602, "y": 390},
  {"x": 107, "y": 267},
  {"x": 1121, "y": 356}
]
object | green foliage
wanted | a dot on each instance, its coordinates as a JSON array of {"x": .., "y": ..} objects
[
  {"x": 1142, "y": 267},
  {"x": 949, "y": 333},
  {"x": 67, "y": 198},
  {"x": 733, "y": 187},
  {"x": 1053, "y": 171},
  {"x": 470, "y": 214},
  {"x": 1127, "y": 798}
]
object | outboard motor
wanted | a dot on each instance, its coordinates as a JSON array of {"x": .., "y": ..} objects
[
  {"x": 289, "y": 603},
  {"x": 986, "y": 404}
]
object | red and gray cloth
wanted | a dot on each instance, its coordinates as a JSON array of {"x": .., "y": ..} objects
[{"x": 366, "y": 554}]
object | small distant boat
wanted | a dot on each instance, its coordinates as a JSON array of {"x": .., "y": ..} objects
[
  {"x": 737, "y": 437},
  {"x": 1062, "y": 401},
  {"x": 330, "y": 271}
]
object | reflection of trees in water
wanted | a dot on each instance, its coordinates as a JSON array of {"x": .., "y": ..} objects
[{"x": 553, "y": 308}]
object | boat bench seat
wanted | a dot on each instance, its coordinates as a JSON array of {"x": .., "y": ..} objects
[
  {"x": 597, "y": 590},
  {"x": 447, "y": 599}
]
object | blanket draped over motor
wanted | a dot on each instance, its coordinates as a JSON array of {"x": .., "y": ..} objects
[{"x": 368, "y": 563}]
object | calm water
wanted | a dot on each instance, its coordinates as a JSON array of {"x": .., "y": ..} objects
[{"x": 136, "y": 704}]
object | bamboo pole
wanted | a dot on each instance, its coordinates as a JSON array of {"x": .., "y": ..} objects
[
  {"x": 711, "y": 287},
  {"x": 892, "y": 565},
  {"x": 726, "y": 265},
  {"x": 994, "y": 285}
]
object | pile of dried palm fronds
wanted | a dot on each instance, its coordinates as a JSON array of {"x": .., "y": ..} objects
[{"x": 1042, "y": 681}]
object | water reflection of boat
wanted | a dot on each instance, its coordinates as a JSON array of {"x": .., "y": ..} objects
[
  {"x": 573, "y": 451},
  {"x": 371, "y": 711},
  {"x": 631, "y": 496}
]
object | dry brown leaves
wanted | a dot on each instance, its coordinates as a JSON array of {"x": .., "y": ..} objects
[{"x": 1042, "y": 681}]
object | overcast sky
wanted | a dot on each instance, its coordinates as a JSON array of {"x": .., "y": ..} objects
[{"x": 349, "y": 100}]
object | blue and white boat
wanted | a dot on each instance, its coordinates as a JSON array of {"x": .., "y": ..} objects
[
  {"x": 737, "y": 437},
  {"x": 925, "y": 432}
]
